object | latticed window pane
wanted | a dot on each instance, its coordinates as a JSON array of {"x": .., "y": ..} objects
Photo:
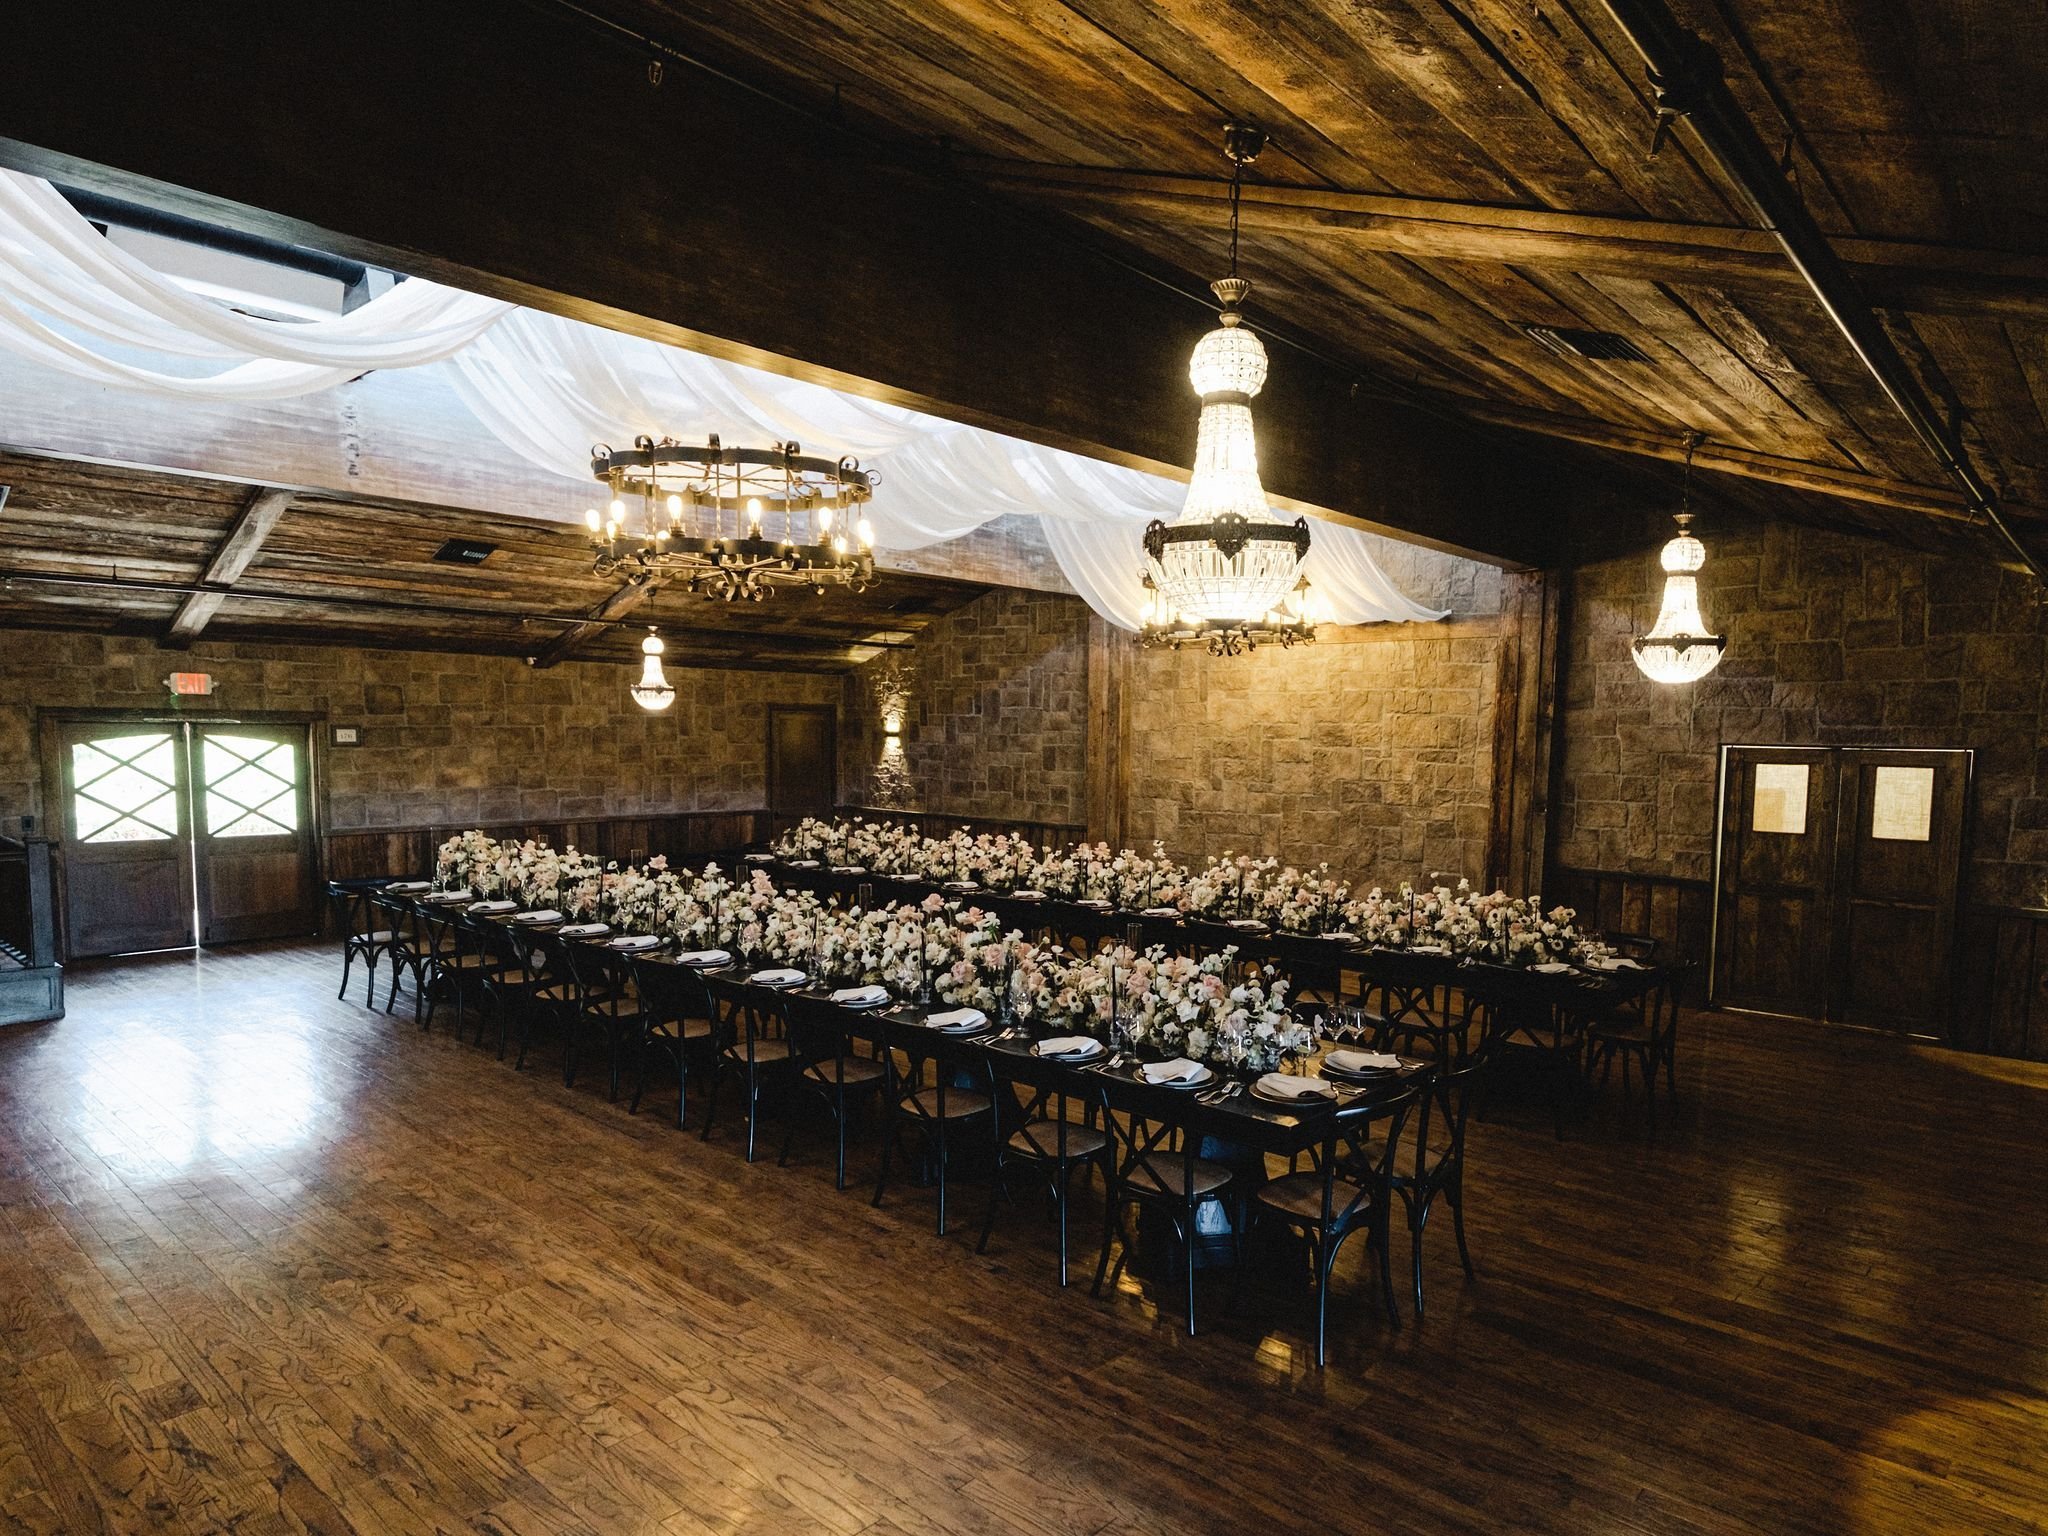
[
  {"x": 124, "y": 788},
  {"x": 251, "y": 786}
]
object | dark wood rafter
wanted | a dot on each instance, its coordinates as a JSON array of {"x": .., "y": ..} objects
[
  {"x": 266, "y": 507},
  {"x": 1928, "y": 279},
  {"x": 632, "y": 595}
]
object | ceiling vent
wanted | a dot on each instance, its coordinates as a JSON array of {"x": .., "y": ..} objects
[
  {"x": 1600, "y": 346},
  {"x": 464, "y": 552}
]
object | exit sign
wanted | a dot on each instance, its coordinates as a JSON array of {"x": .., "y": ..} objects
[{"x": 190, "y": 683}]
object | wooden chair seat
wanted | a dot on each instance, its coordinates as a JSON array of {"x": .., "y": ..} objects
[
  {"x": 1170, "y": 1176},
  {"x": 1621, "y": 1030},
  {"x": 515, "y": 977},
  {"x": 685, "y": 1029},
  {"x": 1299, "y": 1197},
  {"x": 560, "y": 992},
  {"x": 456, "y": 961},
  {"x": 766, "y": 1052},
  {"x": 851, "y": 1071},
  {"x": 960, "y": 1103},
  {"x": 381, "y": 936},
  {"x": 1041, "y": 1139}
]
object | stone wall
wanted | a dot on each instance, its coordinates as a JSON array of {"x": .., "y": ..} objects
[
  {"x": 992, "y": 707},
  {"x": 445, "y": 738},
  {"x": 1832, "y": 640}
]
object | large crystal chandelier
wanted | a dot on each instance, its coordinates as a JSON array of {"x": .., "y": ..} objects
[
  {"x": 1226, "y": 571},
  {"x": 733, "y": 522},
  {"x": 1679, "y": 647}
]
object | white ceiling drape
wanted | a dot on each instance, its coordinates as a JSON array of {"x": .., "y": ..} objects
[{"x": 550, "y": 388}]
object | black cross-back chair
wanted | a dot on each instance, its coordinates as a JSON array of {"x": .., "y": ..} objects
[
  {"x": 1411, "y": 995},
  {"x": 607, "y": 1006},
  {"x": 1644, "y": 1033},
  {"x": 750, "y": 1028},
  {"x": 1435, "y": 1171},
  {"x": 674, "y": 1023},
  {"x": 397, "y": 916},
  {"x": 516, "y": 973},
  {"x": 835, "y": 1065},
  {"x": 1154, "y": 1165},
  {"x": 1533, "y": 1023},
  {"x": 361, "y": 937},
  {"x": 959, "y": 1093},
  {"x": 1034, "y": 1130},
  {"x": 452, "y": 962},
  {"x": 1348, "y": 1188}
]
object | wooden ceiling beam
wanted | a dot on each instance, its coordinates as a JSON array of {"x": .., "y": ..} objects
[
  {"x": 633, "y": 594},
  {"x": 263, "y": 511},
  {"x": 1931, "y": 279},
  {"x": 949, "y": 300}
]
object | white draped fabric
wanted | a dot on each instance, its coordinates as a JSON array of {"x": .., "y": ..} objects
[
  {"x": 67, "y": 295},
  {"x": 550, "y": 388}
]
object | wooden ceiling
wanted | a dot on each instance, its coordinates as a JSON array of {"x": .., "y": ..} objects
[
  {"x": 171, "y": 557},
  {"x": 1444, "y": 173}
]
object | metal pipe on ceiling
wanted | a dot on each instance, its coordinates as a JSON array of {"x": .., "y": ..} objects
[
  {"x": 1689, "y": 80},
  {"x": 566, "y": 621}
]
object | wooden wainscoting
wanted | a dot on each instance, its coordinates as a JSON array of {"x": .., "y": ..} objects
[
  {"x": 2001, "y": 982},
  {"x": 1678, "y": 913},
  {"x": 685, "y": 837},
  {"x": 935, "y": 824}
]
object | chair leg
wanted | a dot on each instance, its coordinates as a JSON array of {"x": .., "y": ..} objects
[
  {"x": 711, "y": 1100},
  {"x": 1109, "y": 1224},
  {"x": 1188, "y": 1236},
  {"x": 1380, "y": 1238},
  {"x": 1326, "y": 1260},
  {"x": 682, "y": 1075},
  {"x": 839, "y": 1127},
  {"x": 753, "y": 1109},
  {"x": 348, "y": 958},
  {"x": 1418, "y": 1218}
]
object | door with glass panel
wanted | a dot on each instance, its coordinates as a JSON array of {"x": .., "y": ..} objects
[
  {"x": 127, "y": 840},
  {"x": 253, "y": 833},
  {"x": 1777, "y": 865}
]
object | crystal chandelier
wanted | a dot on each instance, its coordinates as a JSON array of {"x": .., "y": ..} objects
[
  {"x": 1223, "y": 571},
  {"x": 652, "y": 692},
  {"x": 1678, "y": 648},
  {"x": 733, "y": 522}
]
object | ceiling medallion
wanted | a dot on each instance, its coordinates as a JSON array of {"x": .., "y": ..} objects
[
  {"x": 1226, "y": 573},
  {"x": 733, "y": 522},
  {"x": 1679, "y": 648}
]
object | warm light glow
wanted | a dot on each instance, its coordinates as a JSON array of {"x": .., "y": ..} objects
[
  {"x": 892, "y": 724},
  {"x": 1679, "y": 648},
  {"x": 824, "y": 519},
  {"x": 675, "y": 507},
  {"x": 754, "y": 515},
  {"x": 617, "y": 511},
  {"x": 591, "y": 520},
  {"x": 652, "y": 692},
  {"x": 865, "y": 532}
]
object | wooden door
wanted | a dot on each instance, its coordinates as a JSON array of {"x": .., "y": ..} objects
[
  {"x": 1898, "y": 863},
  {"x": 803, "y": 763},
  {"x": 256, "y": 862},
  {"x": 1777, "y": 860},
  {"x": 126, "y": 837}
]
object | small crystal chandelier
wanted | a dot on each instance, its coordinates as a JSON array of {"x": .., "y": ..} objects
[
  {"x": 1223, "y": 571},
  {"x": 652, "y": 692},
  {"x": 735, "y": 522},
  {"x": 1678, "y": 649}
]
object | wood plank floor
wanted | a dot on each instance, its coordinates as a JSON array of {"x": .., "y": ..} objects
[{"x": 271, "y": 1262}]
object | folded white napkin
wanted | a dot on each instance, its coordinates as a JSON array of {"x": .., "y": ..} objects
[
  {"x": 1246, "y": 922},
  {"x": 1616, "y": 963},
  {"x": 539, "y": 915},
  {"x": 1550, "y": 968},
  {"x": 1028, "y": 895},
  {"x": 1069, "y": 1045},
  {"x": 960, "y": 885},
  {"x": 1281, "y": 1086},
  {"x": 636, "y": 941},
  {"x": 586, "y": 930},
  {"x": 465, "y": 894},
  {"x": 803, "y": 863},
  {"x": 859, "y": 996},
  {"x": 494, "y": 906},
  {"x": 849, "y": 869},
  {"x": 957, "y": 1018},
  {"x": 1178, "y": 1070},
  {"x": 407, "y": 887},
  {"x": 1160, "y": 912},
  {"x": 1093, "y": 901},
  {"x": 1361, "y": 1061},
  {"x": 1342, "y": 935},
  {"x": 706, "y": 957},
  {"x": 1428, "y": 949},
  {"x": 760, "y": 858},
  {"x": 777, "y": 976}
]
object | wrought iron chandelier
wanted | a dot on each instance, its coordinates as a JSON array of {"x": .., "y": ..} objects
[
  {"x": 1222, "y": 572},
  {"x": 733, "y": 522},
  {"x": 1679, "y": 648}
]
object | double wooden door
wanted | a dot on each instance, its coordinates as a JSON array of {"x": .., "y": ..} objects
[
  {"x": 178, "y": 832},
  {"x": 1838, "y": 877}
]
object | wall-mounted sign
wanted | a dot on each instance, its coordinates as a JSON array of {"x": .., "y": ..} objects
[
  {"x": 348, "y": 736},
  {"x": 190, "y": 684},
  {"x": 1902, "y": 804},
  {"x": 1779, "y": 803}
]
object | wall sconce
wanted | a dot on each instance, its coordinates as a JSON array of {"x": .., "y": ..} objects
[{"x": 892, "y": 724}]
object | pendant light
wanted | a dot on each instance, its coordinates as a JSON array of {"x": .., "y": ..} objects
[
  {"x": 1226, "y": 564},
  {"x": 1679, "y": 648},
  {"x": 652, "y": 693}
]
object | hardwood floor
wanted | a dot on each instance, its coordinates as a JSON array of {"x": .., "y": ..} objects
[{"x": 270, "y": 1262}]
